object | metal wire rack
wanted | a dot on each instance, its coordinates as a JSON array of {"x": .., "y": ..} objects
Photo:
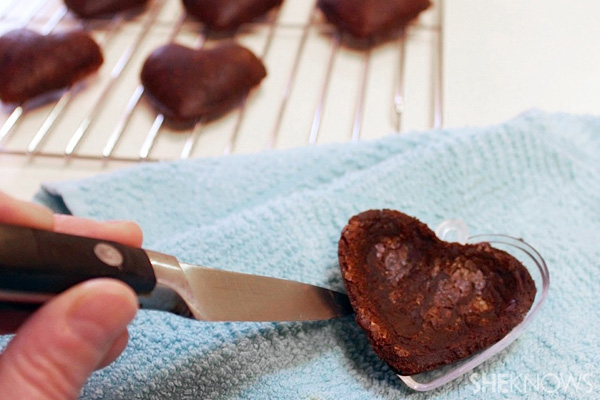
[{"x": 317, "y": 90}]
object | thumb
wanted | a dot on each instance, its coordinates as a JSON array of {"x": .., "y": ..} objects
[{"x": 56, "y": 350}]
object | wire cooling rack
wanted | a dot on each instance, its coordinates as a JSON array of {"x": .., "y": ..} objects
[{"x": 318, "y": 90}]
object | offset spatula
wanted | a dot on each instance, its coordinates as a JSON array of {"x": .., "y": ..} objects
[{"x": 36, "y": 265}]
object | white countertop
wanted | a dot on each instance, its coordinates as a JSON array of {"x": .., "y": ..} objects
[{"x": 500, "y": 58}]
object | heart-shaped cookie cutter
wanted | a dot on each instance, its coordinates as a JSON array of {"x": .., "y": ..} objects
[{"x": 457, "y": 231}]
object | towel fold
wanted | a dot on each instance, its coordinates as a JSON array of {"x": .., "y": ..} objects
[{"x": 280, "y": 213}]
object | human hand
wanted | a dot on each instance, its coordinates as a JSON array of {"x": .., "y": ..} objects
[{"x": 85, "y": 328}]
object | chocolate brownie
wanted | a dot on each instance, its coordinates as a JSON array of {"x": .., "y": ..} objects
[
  {"x": 95, "y": 8},
  {"x": 186, "y": 84},
  {"x": 370, "y": 18},
  {"x": 222, "y": 15},
  {"x": 32, "y": 64},
  {"x": 423, "y": 302}
]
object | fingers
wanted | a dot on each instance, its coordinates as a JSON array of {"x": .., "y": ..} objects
[
  {"x": 17, "y": 212},
  {"x": 56, "y": 350},
  {"x": 125, "y": 232},
  {"x": 83, "y": 329}
]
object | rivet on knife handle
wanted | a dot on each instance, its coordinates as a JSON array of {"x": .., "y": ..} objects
[{"x": 35, "y": 264}]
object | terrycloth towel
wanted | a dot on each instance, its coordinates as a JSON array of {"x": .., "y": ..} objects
[{"x": 280, "y": 213}]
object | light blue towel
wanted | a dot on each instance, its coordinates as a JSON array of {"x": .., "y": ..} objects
[{"x": 280, "y": 213}]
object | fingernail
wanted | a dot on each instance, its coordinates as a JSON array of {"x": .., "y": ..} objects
[
  {"x": 102, "y": 310},
  {"x": 118, "y": 222}
]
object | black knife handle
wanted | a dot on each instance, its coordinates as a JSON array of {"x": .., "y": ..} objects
[{"x": 36, "y": 263}]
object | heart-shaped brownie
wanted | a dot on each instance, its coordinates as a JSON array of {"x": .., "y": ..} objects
[
  {"x": 424, "y": 302},
  {"x": 186, "y": 84},
  {"x": 94, "y": 8},
  {"x": 223, "y": 15},
  {"x": 370, "y": 18},
  {"x": 32, "y": 64}
]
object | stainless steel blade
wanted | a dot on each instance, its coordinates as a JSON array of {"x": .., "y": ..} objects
[{"x": 216, "y": 295}]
